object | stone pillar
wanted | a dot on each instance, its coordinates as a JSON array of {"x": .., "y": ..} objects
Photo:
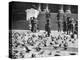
[
  {"x": 68, "y": 9},
  {"x": 39, "y": 7},
  {"x": 61, "y": 13},
  {"x": 47, "y": 9},
  {"x": 61, "y": 9}
]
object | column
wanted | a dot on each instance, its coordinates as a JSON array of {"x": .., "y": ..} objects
[
  {"x": 61, "y": 13},
  {"x": 68, "y": 10},
  {"x": 39, "y": 7},
  {"x": 61, "y": 9},
  {"x": 47, "y": 9}
]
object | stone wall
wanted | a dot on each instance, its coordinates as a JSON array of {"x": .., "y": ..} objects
[{"x": 23, "y": 24}]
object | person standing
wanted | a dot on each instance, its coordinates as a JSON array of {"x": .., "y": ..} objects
[
  {"x": 47, "y": 28},
  {"x": 32, "y": 24},
  {"x": 73, "y": 25},
  {"x": 64, "y": 23},
  {"x": 64, "y": 26},
  {"x": 68, "y": 25},
  {"x": 76, "y": 27},
  {"x": 58, "y": 22}
]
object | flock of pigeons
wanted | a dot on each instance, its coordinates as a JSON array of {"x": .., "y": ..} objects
[{"x": 26, "y": 44}]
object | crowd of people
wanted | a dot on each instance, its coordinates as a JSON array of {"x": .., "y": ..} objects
[{"x": 69, "y": 24}]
